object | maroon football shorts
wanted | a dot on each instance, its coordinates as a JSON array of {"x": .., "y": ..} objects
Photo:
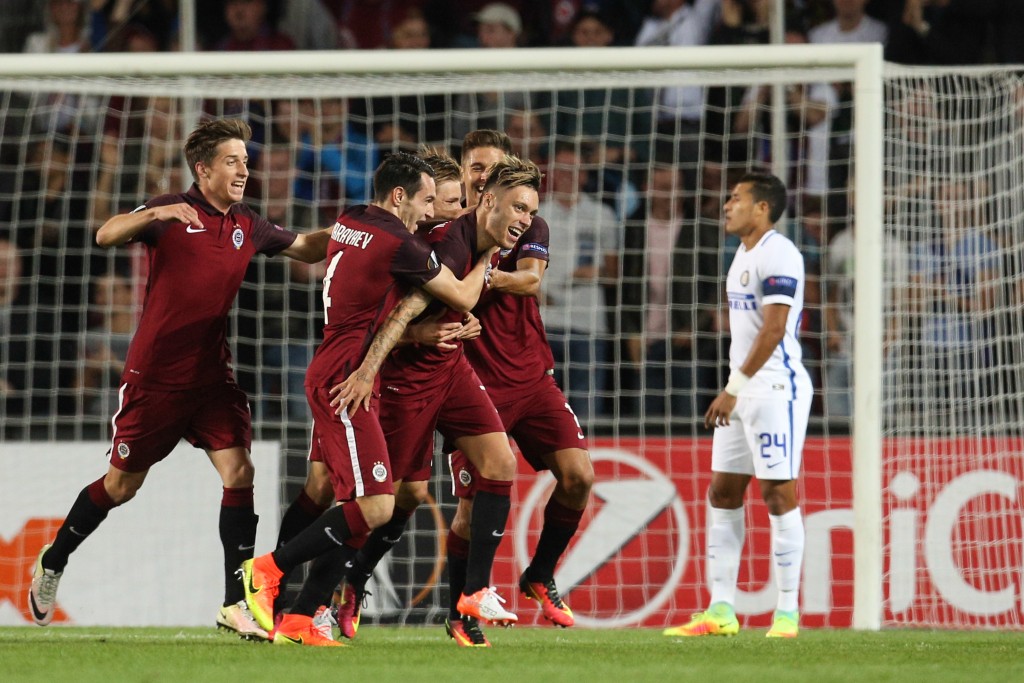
[
  {"x": 351, "y": 446},
  {"x": 149, "y": 422},
  {"x": 459, "y": 408},
  {"x": 540, "y": 421}
]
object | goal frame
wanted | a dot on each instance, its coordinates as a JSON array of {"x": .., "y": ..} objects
[{"x": 863, "y": 62}]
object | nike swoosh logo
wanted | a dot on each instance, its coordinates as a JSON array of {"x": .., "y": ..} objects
[
  {"x": 774, "y": 464},
  {"x": 788, "y": 552},
  {"x": 76, "y": 532},
  {"x": 189, "y": 228},
  {"x": 331, "y": 536},
  {"x": 497, "y": 535},
  {"x": 252, "y": 589},
  {"x": 295, "y": 641},
  {"x": 389, "y": 540},
  {"x": 243, "y": 548},
  {"x": 36, "y": 612}
]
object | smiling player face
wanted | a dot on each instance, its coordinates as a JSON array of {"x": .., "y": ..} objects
[
  {"x": 476, "y": 163},
  {"x": 511, "y": 213},
  {"x": 420, "y": 206},
  {"x": 448, "y": 202},
  {"x": 223, "y": 180}
]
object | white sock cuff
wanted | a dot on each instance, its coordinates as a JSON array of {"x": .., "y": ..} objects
[
  {"x": 787, "y": 521},
  {"x": 724, "y": 515}
]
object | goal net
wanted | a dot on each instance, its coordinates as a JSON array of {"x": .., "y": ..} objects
[{"x": 632, "y": 297}]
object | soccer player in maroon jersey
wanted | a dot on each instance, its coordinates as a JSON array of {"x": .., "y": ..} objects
[
  {"x": 373, "y": 261},
  {"x": 431, "y": 387},
  {"x": 177, "y": 380},
  {"x": 534, "y": 412},
  {"x": 317, "y": 494}
]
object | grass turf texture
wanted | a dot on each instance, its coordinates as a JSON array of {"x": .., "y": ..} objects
[{"x": 382, "y": 654}]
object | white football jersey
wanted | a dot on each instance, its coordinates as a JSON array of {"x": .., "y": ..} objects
[{"x": 770, "y": 273}]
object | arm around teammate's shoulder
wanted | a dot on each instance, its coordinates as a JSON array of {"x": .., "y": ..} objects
[
  {"x": 123, "y": 227},
  {"x": 460, "y": 295},
  {"x": 309, "y": 247}
]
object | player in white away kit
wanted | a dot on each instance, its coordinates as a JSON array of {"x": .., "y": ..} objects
[{"x": 760, "y": 418}]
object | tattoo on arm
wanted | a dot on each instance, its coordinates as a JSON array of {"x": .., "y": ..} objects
[{"x": 391, "y": 332}]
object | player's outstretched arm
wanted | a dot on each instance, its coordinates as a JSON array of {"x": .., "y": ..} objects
[
  {"x": 523, "y": 281},
  {"x": 123, "y": 227},
  {"x": 357, "y": 387},
  {"x": 310, "y": 247},
  {"x": 768, "y": 338},
  {"x": 460, "y": 295}
]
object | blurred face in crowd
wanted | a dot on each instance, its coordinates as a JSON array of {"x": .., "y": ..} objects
[
  {"x": 849, "y": 9},
  {"x": 663, "y": 9},
  {"x": 245, "y": 17},
  {"x": 493, "y": 34},
  {"x": 475, "y": 166},
  {"x": 591, "y": 32},
  {"x": 448, "y": 201},
  {"x": 10, "y": 271},
  {"x": 412, "y": 34},
  {"x": 566, "y": 176}
]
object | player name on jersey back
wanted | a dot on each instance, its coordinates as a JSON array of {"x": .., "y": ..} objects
[{"x": 350, "y": 236}]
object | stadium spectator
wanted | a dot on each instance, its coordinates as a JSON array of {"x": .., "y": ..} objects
[
  {"x": 30, "y": 346},
  {"x": 669, "y": 268},
  {"x": 586, "y": 237},
  {"x": 498, "y": 26},
  {"x": 768, "y": 396},
  {"x": 369, "y": 24},
  {"x": 249, "y": 29},
  {"x": 851, "y": 25},
  {"x": 955, "y": 32},
  {"x": 955, "y": 275},
  {"x": 178, "y": 382},
  {"x": 336, "y": 160},
  {"x": 66, "y": 32},
  {"x": 114, "y": 24},
  {"x": 409, "y": 120},
  {"x": 309, "y": 24},
  {"x": 679, "y": 110},
  {"x": 605, "y": 118},
  {"x": 104, "y": 344}
]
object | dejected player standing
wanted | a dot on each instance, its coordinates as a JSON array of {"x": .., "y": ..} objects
[
  {"x": 177, "y": 381},
  {"x": 372, "y": 262},
  {"x": 760, "y": 418}
]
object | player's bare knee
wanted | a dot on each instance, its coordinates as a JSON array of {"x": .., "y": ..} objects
[
  {"x": 377, "y": 510},
  {"x": 319, "y": 489},
  {"x": 410, "y": 495},
  {"x": 577, "y": 479},
  {"x": 121, "y": 489},
  {"x": 724, "y": 499}
]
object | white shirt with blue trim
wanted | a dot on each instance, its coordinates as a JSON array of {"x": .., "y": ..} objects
[{"x": 770, "y": 273}]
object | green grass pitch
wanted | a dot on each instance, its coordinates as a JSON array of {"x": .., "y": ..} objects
[{"x": 520, "y": 655}]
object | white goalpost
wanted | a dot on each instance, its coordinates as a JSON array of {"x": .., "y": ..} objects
[{"x": 86, "y": 136}]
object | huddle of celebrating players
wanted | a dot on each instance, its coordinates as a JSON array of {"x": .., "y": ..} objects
[{"x": 424, "y": 302}]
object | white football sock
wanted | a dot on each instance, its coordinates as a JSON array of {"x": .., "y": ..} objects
[
  {"x": 725, "y": 544},
  {"x": 788, "y": 555}
]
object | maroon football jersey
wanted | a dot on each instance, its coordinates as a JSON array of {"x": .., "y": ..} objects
[
  {"x": 512, "y": 351},
  {"x": 194, "y": 276},
  {"x": 372, "y": 261},
  {"x": 413, "y": 368}
]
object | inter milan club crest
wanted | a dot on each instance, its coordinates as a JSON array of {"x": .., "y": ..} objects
[
  {"x": 379, "y": 472},
  {"x": 745, "y": 278},
  {"x": 123, "y": 451},
  {"x": 237, "y": 237}
]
